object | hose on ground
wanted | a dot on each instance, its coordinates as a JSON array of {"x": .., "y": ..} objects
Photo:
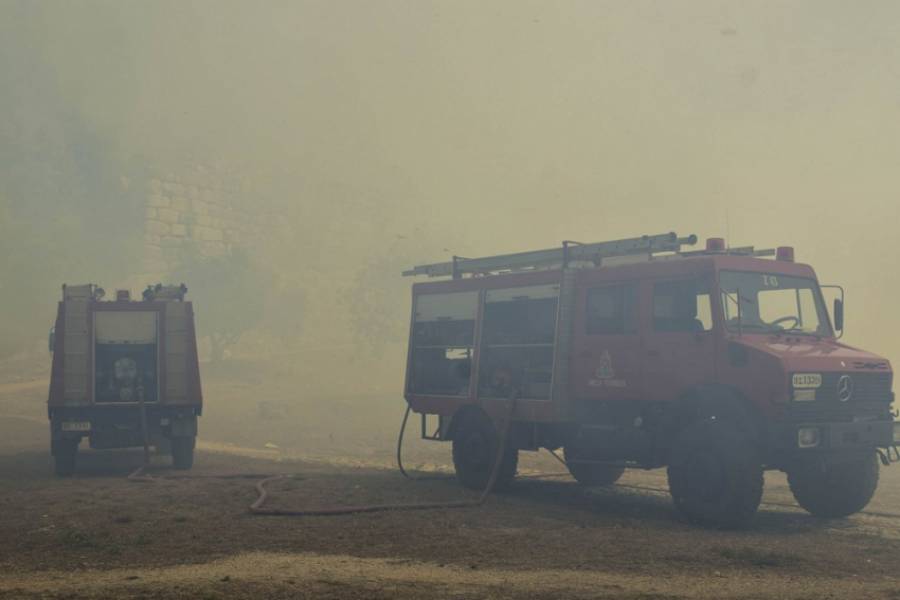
[
  {"x": 400, "y": 441},
  {"x": 258, "y": 507},
  {"x": 140, "y": 474}
]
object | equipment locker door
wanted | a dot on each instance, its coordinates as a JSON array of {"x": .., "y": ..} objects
[
  {"x": 517, "y": 344},
  {"x": 679, "y": 346}
]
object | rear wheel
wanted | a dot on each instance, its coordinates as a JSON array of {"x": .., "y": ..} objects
[
  {"x": 715, "y": 475},
  {"x": 589, "y": 473},
  {"x": 183, "y": 452},
  {"x": 475, "y": 446},
  {"x": 835, "y": 490},
  {"x": 64, "y": 457}
]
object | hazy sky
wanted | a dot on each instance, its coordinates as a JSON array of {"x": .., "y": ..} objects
[{"x": 508, "y": 125}]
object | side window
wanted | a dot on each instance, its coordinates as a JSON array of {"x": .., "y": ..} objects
[
  {"x": 704, "y": 310},
  {"x": 612, "y": 310},
  {"x": 681, "y": 306},
  {"x": 806, "y": 309}
]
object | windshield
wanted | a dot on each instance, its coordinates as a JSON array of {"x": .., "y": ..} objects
[{"x": 771, "y": 303}]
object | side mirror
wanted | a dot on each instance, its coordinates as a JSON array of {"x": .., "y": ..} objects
[{"x": 839, "y": 314}]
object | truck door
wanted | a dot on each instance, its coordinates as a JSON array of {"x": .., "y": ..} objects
[
  {"x": 606, "y": 344},
  {"x": 679, "y": 347}
]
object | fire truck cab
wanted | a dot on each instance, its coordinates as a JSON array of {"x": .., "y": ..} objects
[{"x": 717, "y": 364}]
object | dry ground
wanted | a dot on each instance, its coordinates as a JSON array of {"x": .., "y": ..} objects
[{"x": 100, "y": 536}]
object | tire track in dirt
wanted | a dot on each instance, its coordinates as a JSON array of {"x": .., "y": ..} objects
[
  {"x": 275, "y": 569},
  {"x": 24, "y": 386}
]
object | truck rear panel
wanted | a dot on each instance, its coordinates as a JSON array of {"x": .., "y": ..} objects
[{"x": 106, "y": 353}]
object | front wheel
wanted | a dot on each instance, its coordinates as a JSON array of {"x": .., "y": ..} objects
[
  {"x": 475, "y": 447},
  {"x": 715, "y": 475},
  {"x": 835, "y": 490},
  {"x": 183, "y": 452}
]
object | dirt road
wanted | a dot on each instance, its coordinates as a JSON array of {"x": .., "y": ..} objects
[{"x": 100, "y": 536}]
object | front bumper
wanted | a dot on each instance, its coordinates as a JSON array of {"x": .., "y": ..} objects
[{"x": 817, "y": 437}]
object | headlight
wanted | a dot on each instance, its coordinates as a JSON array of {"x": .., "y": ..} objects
[{"x": 808, "y": 437}]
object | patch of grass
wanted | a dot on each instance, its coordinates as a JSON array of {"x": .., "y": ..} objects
[
  {"x": 77, "y": 538},
  {"x": 123, "y": 519},
  {"x": 113, "y": 549},
  {"x": 758, "y": 558}
]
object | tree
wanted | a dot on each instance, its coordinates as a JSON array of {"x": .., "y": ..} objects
[
  {"x": 229, "y": 294},
  {"x": 65, "y": 214},
  {"x": 379, "y": 297}
]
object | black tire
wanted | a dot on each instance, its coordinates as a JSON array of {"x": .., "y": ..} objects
[
  {"x": 590, "y": 474},
  {"x": 65, "y": 453},
  {"x": 835, "y": 490},
  {"x": 715, "y": 475},
  {"x": 183, "y": 452},
  {"x": 475, "y": 446}
]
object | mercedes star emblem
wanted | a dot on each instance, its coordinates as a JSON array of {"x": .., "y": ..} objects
[{"x": 844, "y": 388}]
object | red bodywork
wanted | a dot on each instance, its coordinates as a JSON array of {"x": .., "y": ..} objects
[
  {"x": 56, "y": 396},
  {"x": 651, "y": 365}
]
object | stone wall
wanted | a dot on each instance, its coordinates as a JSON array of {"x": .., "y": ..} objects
[{"x": 202, "y": 209}]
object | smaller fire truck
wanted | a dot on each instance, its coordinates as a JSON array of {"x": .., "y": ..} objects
[
  {"x": 125, "y": 373},
  {"x": 717, "y": 364}
]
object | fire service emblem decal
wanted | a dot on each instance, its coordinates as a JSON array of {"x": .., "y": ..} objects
[{"x": 605, "y": 375}]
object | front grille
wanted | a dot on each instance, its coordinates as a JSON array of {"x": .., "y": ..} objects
[
  {"x": 867, "y": 387},
  {"x": 871, "y": 398}
]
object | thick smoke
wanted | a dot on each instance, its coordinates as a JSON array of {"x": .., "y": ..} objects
[{"x": 391, "y": 133}]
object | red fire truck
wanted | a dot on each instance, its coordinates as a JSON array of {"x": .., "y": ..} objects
[
  {"x": 125, "y": 373},
  {"x": 718, "y": 364}
]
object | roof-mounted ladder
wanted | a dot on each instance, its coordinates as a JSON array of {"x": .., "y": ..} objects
[{"x": 563, "y": 256}]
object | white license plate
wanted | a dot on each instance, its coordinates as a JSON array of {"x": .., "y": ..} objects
[
  {"x": 76, "y": 426},
  {"x": 807, "y": 381}
]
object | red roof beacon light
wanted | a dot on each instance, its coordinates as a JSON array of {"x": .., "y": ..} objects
[
  {"x": 715, "y": 244},
  {"x": 785, "y": 253}
]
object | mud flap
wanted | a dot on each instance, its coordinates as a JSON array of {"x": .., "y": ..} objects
[
  {"x": 62, "y": 444},
  {"x": 184, "y": 427}
]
